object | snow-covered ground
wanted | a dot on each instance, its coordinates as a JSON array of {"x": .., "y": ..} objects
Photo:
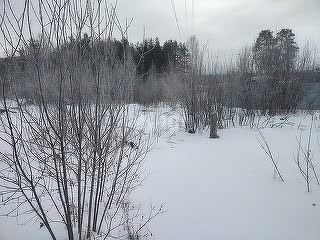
[
  {"x": 221, "y": 188},
  {"x": 224, "y": 188}
]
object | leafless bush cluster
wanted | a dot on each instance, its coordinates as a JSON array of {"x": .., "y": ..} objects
[
  {"x": 73, "y": 155},
  {"x": 304, "y": 158},
  {"x": 267, "y": 79},
  {"x": 199, "y": 95}
]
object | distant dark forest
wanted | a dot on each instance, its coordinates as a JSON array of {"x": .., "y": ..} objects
[
  {"x": 273, "y": 75},
  {"x": 149, "y": 56},
  {"x": 152, "y": 57}
]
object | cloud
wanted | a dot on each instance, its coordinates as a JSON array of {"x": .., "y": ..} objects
[{"x": 223, "y": 24}]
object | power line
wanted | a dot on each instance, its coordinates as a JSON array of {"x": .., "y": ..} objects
[{"x": 175, "y": 16}]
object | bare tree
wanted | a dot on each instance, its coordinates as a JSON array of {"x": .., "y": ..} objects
[
  {"x": 73, "y": 157},
  {"x": 304, "y": 159},
  {"x": 266, "y": 148}
]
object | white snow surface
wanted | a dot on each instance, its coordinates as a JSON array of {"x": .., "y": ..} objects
[{"x": 222, "y": 188}]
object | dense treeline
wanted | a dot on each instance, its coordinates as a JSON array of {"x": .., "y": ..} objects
[
  {"x": 148, "y": 56},
  {"x": 149, "y": 60},
  {"x": 270, "y": 76}
]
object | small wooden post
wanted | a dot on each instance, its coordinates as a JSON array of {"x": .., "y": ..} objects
[{"x": 214, "y": 125}]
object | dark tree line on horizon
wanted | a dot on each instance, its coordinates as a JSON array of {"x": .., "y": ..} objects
[
  {"x": 149, "y": 56},
  {"x": 269, "y": 76}
]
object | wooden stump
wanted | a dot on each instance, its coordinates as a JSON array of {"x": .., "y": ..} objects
[{"x": 214, "y": 125}]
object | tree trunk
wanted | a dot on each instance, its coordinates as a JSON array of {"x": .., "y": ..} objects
[{"x": 214, "y": 125}]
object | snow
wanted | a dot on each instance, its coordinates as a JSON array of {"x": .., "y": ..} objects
[
  {"x": 11, "y": 230},
  {"x": 220, "y": 188},
  {"x": 224, "y": 188}
]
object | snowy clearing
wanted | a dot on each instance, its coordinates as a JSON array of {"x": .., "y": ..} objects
[
  {"x": 220, "y": 188},
  {"x": 224, "y": 188}
]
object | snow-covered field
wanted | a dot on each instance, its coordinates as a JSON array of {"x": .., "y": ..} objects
[
  {"x": 221, "y": 188},
  {"x": 224, "y": 188}
]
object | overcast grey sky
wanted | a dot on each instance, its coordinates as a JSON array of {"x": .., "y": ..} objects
[{"x": 225, "y": 25}]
